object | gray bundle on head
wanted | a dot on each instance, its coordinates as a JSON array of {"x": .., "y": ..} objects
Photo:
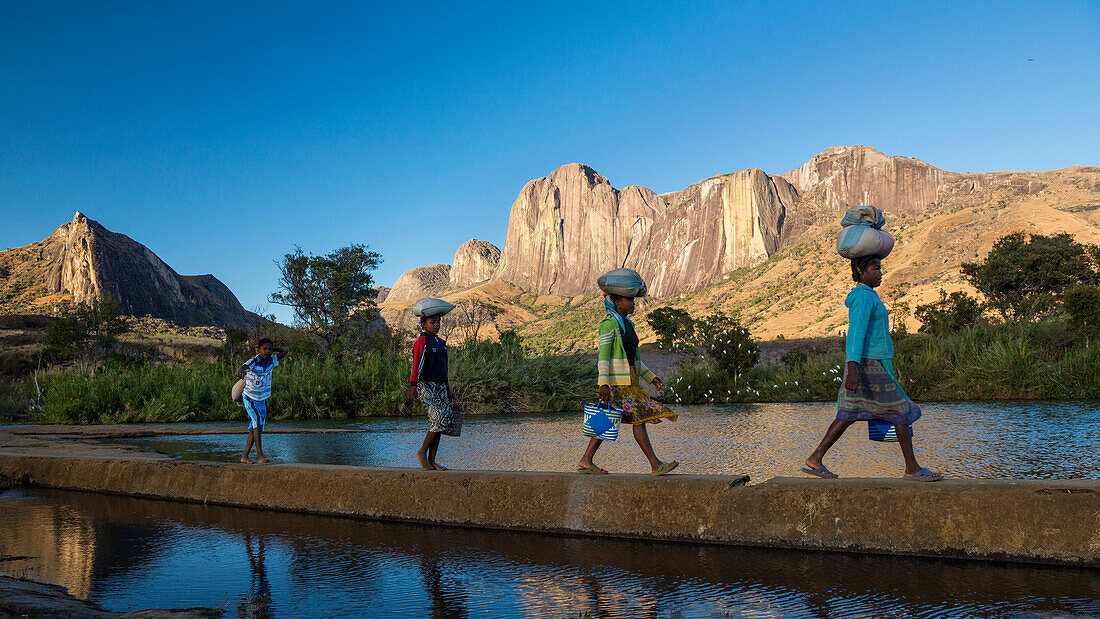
[{"x": 622, "y": 282}]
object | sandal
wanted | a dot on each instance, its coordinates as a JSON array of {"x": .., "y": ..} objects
[
  {"x": 591, "y": 470},
  {"x": 821, "y": 472},
  {"x": 666, "y": 467},
  {"x": 924, "y": 475}
]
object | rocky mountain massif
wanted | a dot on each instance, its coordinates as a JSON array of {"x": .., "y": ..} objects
[
  {"x": 82, "y": 260},
  {"x": 760, "y": 244}
]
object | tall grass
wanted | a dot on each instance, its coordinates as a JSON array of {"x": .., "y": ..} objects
[
  {"x": 486, "y": 378},
  {"x": 1044, "y": 361}
]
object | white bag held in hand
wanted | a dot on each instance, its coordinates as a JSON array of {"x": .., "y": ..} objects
[
  {"x": 431, "y": 307},
  {"x": 623, "y": 282},
  {"x": 861, "y": 234},
  {"x": 238, "y": 391}
]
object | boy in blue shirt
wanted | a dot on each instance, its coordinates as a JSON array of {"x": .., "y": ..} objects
[{"x": 256, "y": 373}]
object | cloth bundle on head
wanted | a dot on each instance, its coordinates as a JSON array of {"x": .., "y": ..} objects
[
  {"x": 431, "y": 307},
  {"x": 861, "y": 234},
  {"x": 623, "y": 282}
]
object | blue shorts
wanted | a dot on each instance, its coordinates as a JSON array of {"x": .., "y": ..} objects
[{"x": 257, "y": 412}]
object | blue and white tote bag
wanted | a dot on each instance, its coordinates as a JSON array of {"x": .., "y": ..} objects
[{"x": 602, "y": 420}]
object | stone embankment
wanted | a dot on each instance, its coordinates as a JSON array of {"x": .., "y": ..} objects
[{"x": 1040, "y": 521}]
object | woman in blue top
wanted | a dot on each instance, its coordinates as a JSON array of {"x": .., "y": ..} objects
[{"x": 870, "y": 391}]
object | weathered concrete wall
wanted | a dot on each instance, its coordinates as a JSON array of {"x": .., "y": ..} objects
[{"x": 1034, "y": 521}]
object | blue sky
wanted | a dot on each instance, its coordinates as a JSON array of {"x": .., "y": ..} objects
[{"x": 222, "y": 134}]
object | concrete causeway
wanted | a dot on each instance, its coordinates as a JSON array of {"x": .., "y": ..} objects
[{"x": 1037, "y": 521}]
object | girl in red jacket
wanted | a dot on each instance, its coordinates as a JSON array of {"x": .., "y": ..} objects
[{"x": 429, "y": 381}]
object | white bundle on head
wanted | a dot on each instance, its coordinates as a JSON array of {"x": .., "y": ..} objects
[{"x": 431, "y": 307}]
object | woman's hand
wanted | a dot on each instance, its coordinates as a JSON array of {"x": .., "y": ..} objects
[
  {"x": 605, "y": 393},
  {"x": 411, "y": 394},
  {"x": 851, "y": 377},
  {"x": 659, "y": 384}
]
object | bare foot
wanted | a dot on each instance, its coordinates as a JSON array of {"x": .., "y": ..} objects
[
  {"x": 262, "y": 460},
  {"x": 245, "y": 460},
  {"x": 422, "y": 458},
  {"x": 439, "y": 467}
]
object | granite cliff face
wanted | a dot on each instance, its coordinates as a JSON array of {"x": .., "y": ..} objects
[
  {"x": 711, "y": 228},
  {"x": 82, "y": 260},
  {"x": 845, "y": 176},
  {"x": 475, "y": 261},
  {"x": 420, "y": 282},
  {"x": 567, "y": 228}
]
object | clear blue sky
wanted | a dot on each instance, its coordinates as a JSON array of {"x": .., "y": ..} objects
[{"x": 222, "y": 134}]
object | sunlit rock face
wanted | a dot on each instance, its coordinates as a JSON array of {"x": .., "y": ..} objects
[
  {"x": 414, "y": 284},
  {"x": 844, "y": 176},
  {"x": 82, "y": 261},
  {"x": 568, "y": 228},
  {"x": 475, "y": 261},
  {"x": 715, "y": 226}
]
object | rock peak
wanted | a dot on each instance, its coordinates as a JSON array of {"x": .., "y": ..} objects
[{"x": 79, "y": 218}]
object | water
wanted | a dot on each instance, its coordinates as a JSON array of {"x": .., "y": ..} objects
[
  {"x": 128, "y": 554},
  {"x": 1036, "y": 440}
]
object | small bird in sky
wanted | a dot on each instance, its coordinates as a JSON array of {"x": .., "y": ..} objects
[{"x": 1031, "y": 60}]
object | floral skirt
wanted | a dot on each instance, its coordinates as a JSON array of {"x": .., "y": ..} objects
[
  {"x": 638, "y": 406},
  {"x": 442, "y": 417},
  {"x": 879, "y": 396}
]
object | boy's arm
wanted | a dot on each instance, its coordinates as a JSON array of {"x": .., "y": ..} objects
[
  {"x": 243, "y": 370},
  {"x": 281, "y": 352}
]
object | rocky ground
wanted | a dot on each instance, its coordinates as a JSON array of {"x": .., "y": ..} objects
[{"x": 27, "y": 598}]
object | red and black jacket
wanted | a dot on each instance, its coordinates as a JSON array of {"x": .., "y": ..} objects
[{"x": 429, "y": 359}]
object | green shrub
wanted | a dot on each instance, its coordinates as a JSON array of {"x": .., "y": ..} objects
[
  {"x": 1082, "y": 305},
  {"x": 950, "y": 314}
]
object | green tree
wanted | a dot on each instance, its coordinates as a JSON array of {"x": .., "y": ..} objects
[
  {"x": 326, "y": 292},
  {"x": 1082, "y": 304},
  {"x": 952, "y": 313},
  {"x": 1024, "y": 278},
  {"x": 674, "y": 327},
  {"x": 85, "y": 333},
  {"x": 728, "y": 344}
]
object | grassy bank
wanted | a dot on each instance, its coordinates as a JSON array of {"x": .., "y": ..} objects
[
  {"x": 1040, "y": 361},
  {"x": 486, "y": 378}
]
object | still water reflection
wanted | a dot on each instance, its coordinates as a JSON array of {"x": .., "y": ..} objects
[
  {"x": 127, "y": 553},
  {"x": 1047, "y": 440}
]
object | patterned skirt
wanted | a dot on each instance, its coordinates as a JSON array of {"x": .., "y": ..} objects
[
  {"x": 879, "y": 396},
  {"x": 638, "y": 407},
  {"x": 442, "y": 417}
]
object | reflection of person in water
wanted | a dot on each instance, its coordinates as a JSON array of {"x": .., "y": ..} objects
[
  {"x": 259, "y": 594},
  {"x": 445, "y": 603}
]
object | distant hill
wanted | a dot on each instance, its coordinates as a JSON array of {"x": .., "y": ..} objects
[{"x": 82, "y": 260}]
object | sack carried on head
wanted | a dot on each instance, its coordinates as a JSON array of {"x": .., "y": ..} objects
[
  {"x": 861, "y": 234},
  {"x": 623, "y": 282},
  {"x": 431, "y": 307}
]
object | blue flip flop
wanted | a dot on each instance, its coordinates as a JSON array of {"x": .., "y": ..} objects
[{"x": 821, "y": 472}]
